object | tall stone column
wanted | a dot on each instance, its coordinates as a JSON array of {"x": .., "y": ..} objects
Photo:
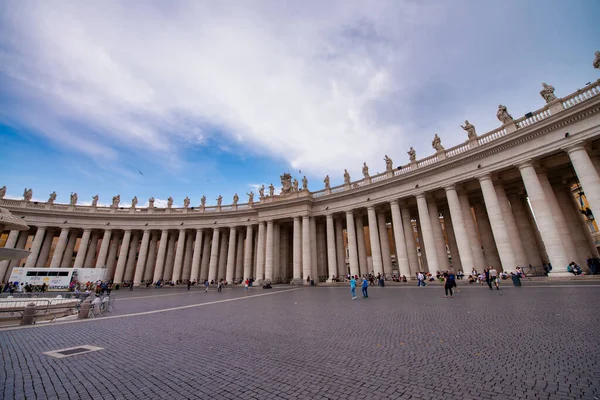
[
  {"x": 101, "y": 262},
  {"x": 214, "y": 256},
  {"x": 260, "y": 252},
  {"x": 170, "y": 260},
  {"x": 545, "y": 220},
  {"x": 46, "y": 247},
  {"x": 276, "y": 251},
  {"x": 331, "y": 253},
  {"x": 160, "y": 257},
  {"x": 239, "y": 257},
  {"x": 21, "y": 242},
  {"x": 35, "y": 247},
  {"x": 427, "y": 233},
  {"x": 297, "y": 254},
  {"x": 60, "y": 248},
  {"x": 284, "y": 260},
  {"x": 376, "y": 256},
  {"x": 514, "y": 235},
  {"x": 339, "y": 248},
  {"x": 306, "y": 261},
  {"x": 400, "y": 241},
  {"x": 452, "y": 245},
  {"x": 248, "y": 252},
  {"x": 151, "y": 261},
  {"x": 82, "y": 250},
  {"x": 131, "y": 257},
  {"x": 322, "y": 250},
  {"x": 536, "y": 232},
  {"x": 526, "y": 234},
  {"x": 559, "y": 219},
  {"x": 490, "y": 252},
  {"x": 231, "y": 253},
  {"x": 409, "y": 235},
  {"x": 386, "y": 254},
  {"x": 67, "y": 258},
  {"x": 179, "y": 256},
  {"x": 205, "y": 260},
  {"x": 587, "y": 175},
  {"x": 438, "y": 235},
  {"x": 363, "y": 264},
  {"x": 187, "y": 258},
  {"x": 422, "y": 251},
  {"x": 474, "y": 241},
  {"x": 195, "y": 274},
  {"x": 269, "y": 252},
  {"x": 314, "y": 274},
  {"x": 222, "y": 271},
  {"x": 573, "y": 223},
  {"x": 352, "y": 250},
  {"x": 91, "y": 253},
  {"x": 111, "y": 261},
  {"x": 11, "y": 242},
  {"x": 120, "y": 271},
  {"x": 460, "y": 229},
  {"x": 141, "y": 261}
]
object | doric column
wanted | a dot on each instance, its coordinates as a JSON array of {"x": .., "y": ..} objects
[
  {"x": 60, "y": 248},
  {"x": 170, "y": 259},
  {"x": 375, "y": 244},
  {"x": 67, "y": 258},
  {"x": 91, "y": 252},
  {"x": 222, "y": 271},
  {"x": 297, "y": 254},
  {"x": 331, "y": 253},
  {"x": 587, "y": 175},
  {"x": 151, "y": 261},
  {"x": 478, "y": 260},
  {"x": 231, "y": 253},
  {"x": 195, "y": 274},
  {"x": 214, "y": 256},
  {"x": 276, "y": 251},
  {"x": 270, "y": 251},
  {"x": 400, "y": 240},
  {"x": 187, "y": 258},
  {"x": 452, "y": 245},
  {"x": 21, "y": 242},
  {"x": 284, "y": 254},
  {"x": 111, "y": 261},
  {"x": 103, "y": 253},
  {"x": 427, "y": 233},
  {"x": 409, "y": 236},
  {"x": 438, "y": 235},
  {"x": 204, "y": 263},
  {"x": 352, "y": 250},
  {"x": 239, "y": 257},
  {"x": 131, "y": 257},
  {"x": 260, "y": 252},
  {"x": 248, "y": 252},
  {"x": 363, "y": 265},
  {"x": 141, "y": 261},
  {"x": 35, "y": 247},
  {"x": 460, "y": 229},
  {"x": 339, "y": 248},
  {"x": 386, "y": 254},
  {"x": 306, "y": 261},
  {"x": 179, "y": 256},
  {"x": 514, "y": 235},
  {"x": 573, "y": 226},
  {"x": 322, "y": 250},
  {"x": 46, "y": 247},
  {"x": 313, "y": 250},
  {"x": 545, "y": 220},
  {"x": 160, "y": 257},
  {"x": 82, "y": 250},
  {"x": 490, "y": 252},
  {"x": 120, "y": 271},
  {"x": 517, "y": 205},
  {"x": 559, "y": 219},
  {"x": 421, "y": 247},
  {"x": 11, "y": 242}
]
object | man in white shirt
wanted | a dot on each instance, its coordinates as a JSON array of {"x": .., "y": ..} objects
[
  {"x": 494, "y": 277},
  {"x": 420, "y": 279}
]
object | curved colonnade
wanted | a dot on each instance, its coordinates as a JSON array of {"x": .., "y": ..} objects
[{"x": 503, "y": 198}]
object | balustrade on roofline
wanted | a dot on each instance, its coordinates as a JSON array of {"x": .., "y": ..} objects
[{"x": 581, "y": 95}]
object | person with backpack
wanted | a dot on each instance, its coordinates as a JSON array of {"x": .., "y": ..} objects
[{"x": 448, "y": 284}]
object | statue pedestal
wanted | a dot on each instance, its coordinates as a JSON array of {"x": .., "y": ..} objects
[
  {"x": 202, "y": 208},
  {"x": 150, "y": 210},
  {"x": 389, "y": 173},
  {"x": 327, "y": 191},
  {"x": 367, "y": 180},
  {"x": 413, "y": 165},
  {"x": 346, "y": 186},
  {"x": 185, "y": 210},
  {"x": 234, "y": 206},
  {"x": 473, "y": 142},
  {"x": 555, "y": 107},
  {"x": 441, "y": 155},
  {"x": 511, "y": 127},
  {"x": 132, "y": 210}
]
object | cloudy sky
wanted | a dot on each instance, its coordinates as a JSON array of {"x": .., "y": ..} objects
[{"x": 191, "y": 98}]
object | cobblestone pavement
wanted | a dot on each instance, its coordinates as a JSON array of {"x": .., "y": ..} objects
[{"x": 317, "y": 343}]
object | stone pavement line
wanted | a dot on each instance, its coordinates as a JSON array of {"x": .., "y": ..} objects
[
  {"x": 145, "y": 312},
  {"x": 186, "y": 293}
]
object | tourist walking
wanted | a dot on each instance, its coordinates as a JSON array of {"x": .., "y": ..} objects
[
  {"x": 206, "y": 286},
  {"x": 220, "y": 286},
  {"x": 353, "y": 288},
  {"x": 246, "y": 285},
  {"x": 448, "y": 284},
  {"x": 189, "y": 284},
  {"x": 420, "y": 279},
  {"x": 486, "y": 271},
  {"x": 365, "y": 286},
  {"x": 493, "y": 278}
]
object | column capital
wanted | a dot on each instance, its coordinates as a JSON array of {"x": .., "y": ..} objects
[
  {"x": 485, "y": 177},
  {"x": 525, "y": 164},
  {"x": 371, "y": 207},
  {"x": 349, "y": 212},
  {"x": 420, "y": 195},
  {"x": 576, "y": 146},
  {"x": 87, "y": 229},
  {"x": 392, "y": 202}
]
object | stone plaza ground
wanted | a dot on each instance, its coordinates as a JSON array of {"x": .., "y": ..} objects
[{"x": 402, "y": 342}]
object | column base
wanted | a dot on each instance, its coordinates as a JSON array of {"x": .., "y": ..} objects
[
  {"x": 560, "y": 274},
  {"x": 297, "y": 282}
]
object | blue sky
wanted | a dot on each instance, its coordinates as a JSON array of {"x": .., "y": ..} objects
[{"x": 208, "y": 98}]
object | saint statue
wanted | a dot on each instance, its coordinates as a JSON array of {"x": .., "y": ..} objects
[
  {"x": 203, "y": 201},
  {"x": 261, "y": 192},
  {"x": 219, "y": 200},
  {"x": 436, "y": 143},
  {"x": 186, "y": 202},
  {"x": 304, "y": 183},
  {"x": 250, "y": 197},
  {"x": 95, "y": 201},
  {"x": 548, "y": 93},
  {"x": 236, "y": 198},
  {"x": 503, "y": 115},
  {"x": 388, "y": 163},
  {"x": 412, "y": 154},
  {"x": 271, "y": 190},
  {"x": 346, "y": 176},
  {"x": 169, "y": 202},
  {"x": 116, "y": 200},
  {"x": 326, "y": 180},
  {"x": 134, "y": 201},
  {"x": 151, "y": 202},
  {"x": 27, "y": 194},
  {"x": 597, "y": 60},
  {"x": 2, "y": 192},
  {"x": 295, "y": 185},
  {"x": 470, "y": 128},
  {"x": 74, "y": 198},
  {"x": 365, "y": 170},
  {"x": 52, "y": 198}
]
